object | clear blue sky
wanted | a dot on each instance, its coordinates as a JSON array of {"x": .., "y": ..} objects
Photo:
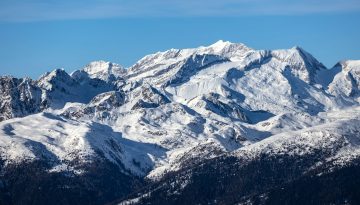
[{"x": 38, "y": 36}]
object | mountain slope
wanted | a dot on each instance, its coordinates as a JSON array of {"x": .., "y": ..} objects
[{"x": 258, "y": 173}]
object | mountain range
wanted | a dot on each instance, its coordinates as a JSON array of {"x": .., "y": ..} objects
[{"x": 221, "y": 124}]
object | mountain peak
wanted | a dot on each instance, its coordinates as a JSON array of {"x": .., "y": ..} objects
[
  {"x": 220, "y": 44},
  {"x": 349, "y": 64},
  {"x": 103, "y": 70},
  {"x": 303, "y": 64},
  {"x": 233, "y": 51},
  {"x": 296, "y": 47},
  {"x": 56, "y": 73},
  {"x": 101, "y": 67}
]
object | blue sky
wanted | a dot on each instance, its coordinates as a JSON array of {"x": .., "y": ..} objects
[{"x": 38, "y": 36}]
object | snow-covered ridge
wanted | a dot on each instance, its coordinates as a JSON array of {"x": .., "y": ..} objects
[{"x": 339, "y": 132}]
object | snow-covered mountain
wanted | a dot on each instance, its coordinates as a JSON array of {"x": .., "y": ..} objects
[{"x": 173, "y": 116}]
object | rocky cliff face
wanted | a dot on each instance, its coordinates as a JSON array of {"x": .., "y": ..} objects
[{"x": 19, "y": 97}]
